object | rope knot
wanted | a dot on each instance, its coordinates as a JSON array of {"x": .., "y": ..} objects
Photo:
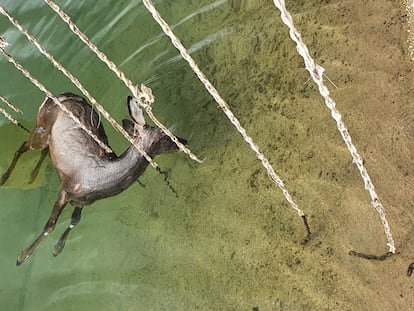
[{"x": 146, "y": 96}]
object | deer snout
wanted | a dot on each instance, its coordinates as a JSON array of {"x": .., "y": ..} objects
[{"x": 167, "y": 145}]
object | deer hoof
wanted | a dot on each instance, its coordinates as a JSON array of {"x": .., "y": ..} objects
[
  {"x": 58, "y": 247},
  {"x": 22, "y": 258}
]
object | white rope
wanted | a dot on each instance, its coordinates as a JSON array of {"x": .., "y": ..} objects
[
  {"x": 223, "y": 105},
  {"x": 316, "y": 72},
  {"x": 10, "y": 105},
  {"x": 8, "y": 116},
  {"x": 13, "y": 107},
  {"x": 141, "y": 96}
]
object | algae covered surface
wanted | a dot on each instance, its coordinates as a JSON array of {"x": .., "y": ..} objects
[{"x": 230, "y": 241}]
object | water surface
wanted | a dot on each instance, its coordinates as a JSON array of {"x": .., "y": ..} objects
[{"x": 230, "y": 240}]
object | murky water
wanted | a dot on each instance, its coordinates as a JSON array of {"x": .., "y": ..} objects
[{"x": 229, "y": 241}]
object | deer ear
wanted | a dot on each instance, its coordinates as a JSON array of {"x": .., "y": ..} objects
[{"x": 135, "y": 111}]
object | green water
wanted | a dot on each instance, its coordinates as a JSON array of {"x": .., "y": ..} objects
[{"x": 230, "y": 241}]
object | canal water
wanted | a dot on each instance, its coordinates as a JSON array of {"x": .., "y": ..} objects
[{"x": 229, "y": 241}]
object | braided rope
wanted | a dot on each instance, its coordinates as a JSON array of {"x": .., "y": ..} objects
[{"x": 316, "y": 73}]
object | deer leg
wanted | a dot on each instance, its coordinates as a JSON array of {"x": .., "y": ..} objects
[
  {"x": 76, "y": 216},
  {"x": 49, "y": 227},
  {"x": 39, "y": 140},
  {"x": 23, "y": 148},
  {"x": 35, "y": 171}
]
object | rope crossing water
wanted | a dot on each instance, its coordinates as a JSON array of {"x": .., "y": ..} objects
[
  {"x": 223, "y": 105},
  {"x": 8, "y": 115},
  {"x": 316, "y": 73},
  {"x": 10, "y": 105}
]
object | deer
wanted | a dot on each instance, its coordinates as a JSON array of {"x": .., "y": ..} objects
[{"x": 87, "y": 172}]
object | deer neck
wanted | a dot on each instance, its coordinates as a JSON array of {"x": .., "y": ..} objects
[
  {"x": 131, "y": 164},
  {"x": 112, "y": 176}
]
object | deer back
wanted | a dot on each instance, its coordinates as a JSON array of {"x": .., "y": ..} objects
[{"x": 72, "y": 149}]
